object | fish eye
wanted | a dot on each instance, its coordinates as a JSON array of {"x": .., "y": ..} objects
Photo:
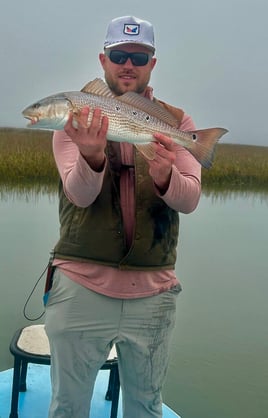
[{"x": 36, "y": 105}]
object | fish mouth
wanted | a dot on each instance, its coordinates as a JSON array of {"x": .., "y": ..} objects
[{"x": 33, "y": 120}]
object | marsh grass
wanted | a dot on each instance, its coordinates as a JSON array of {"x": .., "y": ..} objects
[
  {"x": 26, "y": 157},
  {"x": 26, "y": 161},
  {"x": 238, "y": 167}
]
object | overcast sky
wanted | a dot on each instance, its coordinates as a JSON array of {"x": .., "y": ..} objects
[{"x": 212, "y": 56}]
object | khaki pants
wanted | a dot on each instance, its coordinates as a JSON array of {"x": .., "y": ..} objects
[{"x": 83, "y": 325}]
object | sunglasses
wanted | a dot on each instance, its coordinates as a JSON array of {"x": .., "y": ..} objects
[{"x": 120, "y": 57}]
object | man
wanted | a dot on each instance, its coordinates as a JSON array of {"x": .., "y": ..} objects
[{"x": 114, "y": 281}]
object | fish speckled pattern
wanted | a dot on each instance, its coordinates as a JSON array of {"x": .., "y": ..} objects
[{"x": 132, "y": 118}]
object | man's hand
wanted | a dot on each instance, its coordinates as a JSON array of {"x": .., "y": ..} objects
[
  {"x": 90, "y": 140},
  {"x": 160, "y": 168}
]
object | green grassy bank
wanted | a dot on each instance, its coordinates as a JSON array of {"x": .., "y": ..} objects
[
  {"x": 26, "y": 158},
  {"x": 241, "y": 167}
]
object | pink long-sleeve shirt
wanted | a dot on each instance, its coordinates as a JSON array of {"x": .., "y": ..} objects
[{"x": 82, "y": 185}]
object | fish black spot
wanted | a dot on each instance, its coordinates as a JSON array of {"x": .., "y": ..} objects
[
  {"x": 147, "y": 118},
  {"x": 135, "y": 113},
  {"x": 194, "y": 137},
  {"x": 117, "y": 108}
]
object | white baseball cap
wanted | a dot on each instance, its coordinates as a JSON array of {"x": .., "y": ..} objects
[{"x": 129, "y": 30}]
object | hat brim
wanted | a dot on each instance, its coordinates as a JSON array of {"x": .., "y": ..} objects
[{"x": 150, "y": 47}]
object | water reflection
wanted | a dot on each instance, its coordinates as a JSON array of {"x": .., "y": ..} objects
[
  {"x": 27, "y": 192},
  {"x": 223, "y": 194},
  {"x": 34, "y": 191}
]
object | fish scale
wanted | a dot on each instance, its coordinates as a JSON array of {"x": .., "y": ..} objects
[{"x": 131, "y": 122}]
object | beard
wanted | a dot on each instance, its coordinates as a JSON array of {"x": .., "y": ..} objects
[{"x": 119, "y": 87}]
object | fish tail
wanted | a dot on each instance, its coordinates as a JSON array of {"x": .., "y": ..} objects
[{"x": 203, "y": 146}]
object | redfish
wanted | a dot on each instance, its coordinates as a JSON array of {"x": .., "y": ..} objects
[{"x": 132, "y": 118}]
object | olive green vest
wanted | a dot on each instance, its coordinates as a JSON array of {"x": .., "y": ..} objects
[{"x": 96, "y": 233}]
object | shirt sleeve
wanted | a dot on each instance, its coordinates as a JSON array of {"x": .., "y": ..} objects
[
  {"x": 184, "y": 190},
  {"x": 81, "y": 184}
]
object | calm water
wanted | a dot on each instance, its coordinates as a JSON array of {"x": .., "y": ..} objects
[{"x": 219, "y": 361}]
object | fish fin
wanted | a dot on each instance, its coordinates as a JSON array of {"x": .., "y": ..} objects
[
  {"x": 147, "y": 150},
  {"x": 204, "y": 143},
  {"x": 98, "y": 87},
  {"x": 148, "y": 106}
]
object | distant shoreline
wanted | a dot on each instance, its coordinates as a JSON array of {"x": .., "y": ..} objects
[{"x": 26, "y": 158}]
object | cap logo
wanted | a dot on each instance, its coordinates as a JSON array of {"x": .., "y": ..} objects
[{"x": 131, "y": 29}]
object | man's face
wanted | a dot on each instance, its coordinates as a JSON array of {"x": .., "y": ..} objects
[{"x": 127, "y": 77}]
